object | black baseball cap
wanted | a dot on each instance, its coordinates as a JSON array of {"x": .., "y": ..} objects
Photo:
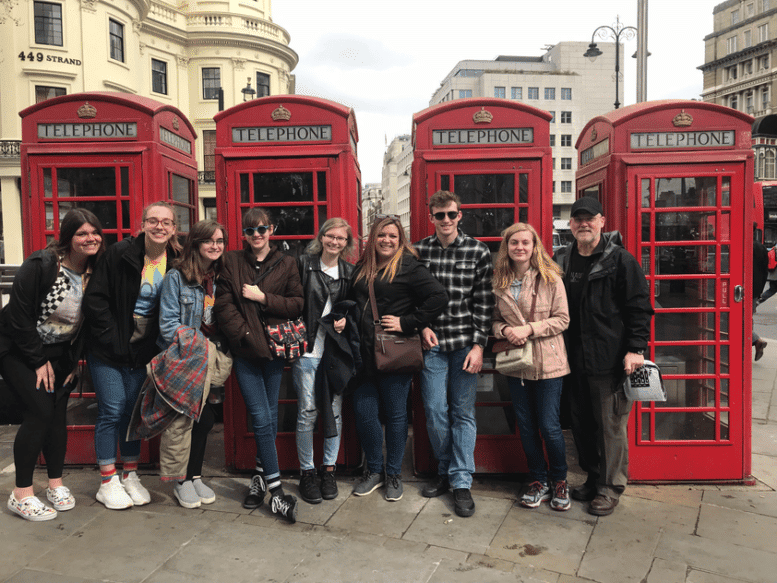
[{"x": 587, "y": 204}]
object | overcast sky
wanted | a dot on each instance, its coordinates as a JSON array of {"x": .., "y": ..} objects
[{"x": 386, "y": 59}]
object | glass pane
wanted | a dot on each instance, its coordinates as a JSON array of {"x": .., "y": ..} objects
[
  {"x": 725, "y": 194},
  {"x": 486, "y": 222},
  {"x": 686, "y": 226},
  {"x": 645, "y": 426},
  {"x": 283, "y": 187},
  {"x": 124, "y": 173},
  {"x": 125, "y": 215},
  {"x": 682, "y": 326},
  {"x": 181, "y": 189},
  {"x": 686, "y": 191},
  {"x": 724, "y": 359},
  {"x": 684, "y": 259},
  {"x": 485, "y": 188},
  {"x": 724, "y": 392},
  {"x": 645, "y": 193},
  {"x": 445, "y": 182},
  {"x": 686, "y": 359},
  {"x": 685, "y": 426},
  {"x": 685, "y": 293},
  {"x": 182, "y": 219},
  {"x": 724, "y": 435},
  {"x": 81, "y": 410},
  {"x": 494, "y": 420},
  {"x": 523, "y": 188},
  {"x": 724, "y": 259},
  {"x": 293, "y": 247},
  {"x": 293, "y": 220},
  {"x": 686, "y": 392},
  {"x": 49, "y": 210},
  {"x": 321, "y": 185},
  {"x": 86, "y": 181},
  {"x": 245, "y": 189},
  {"x": 287, "y": 417},
  {"x": 523, "y": 215},
  {"x": 47, "y": 183},
  {"x": 645, "y": 227},
  {"x": 724, "y": 326},
  {"x": 321, "y": 216}
]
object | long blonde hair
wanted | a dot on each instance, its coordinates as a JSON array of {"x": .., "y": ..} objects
[
  {"x": 368, "y": 262},
  {"x": 504, "y": 274}
]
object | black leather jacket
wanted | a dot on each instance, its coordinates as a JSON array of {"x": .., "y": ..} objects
[{"x": 317, "y": 287}]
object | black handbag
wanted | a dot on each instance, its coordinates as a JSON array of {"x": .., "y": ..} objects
[{"x": 395, "y": 353}]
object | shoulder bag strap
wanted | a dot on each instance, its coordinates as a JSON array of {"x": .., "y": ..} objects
[{"x": 373, "y": 304}]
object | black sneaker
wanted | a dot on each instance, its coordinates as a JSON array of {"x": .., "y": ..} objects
[
  {"x": 463, "y": 503},
  {"x": 328, "y": 483},
  {"x": 256, "y": 492},
  {"x": 437, "y": 488},
  {"x": 308, "y": 487},
  {"x": 285, "y": 506}
]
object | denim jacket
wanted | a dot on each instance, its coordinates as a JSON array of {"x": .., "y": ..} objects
[{"x": 180, "y": 304}]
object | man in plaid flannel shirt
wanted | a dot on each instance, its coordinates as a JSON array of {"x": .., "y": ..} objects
[{"x": 454, "y": 348}]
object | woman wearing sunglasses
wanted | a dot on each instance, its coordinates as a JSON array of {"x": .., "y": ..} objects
[
  {"x": 408, "y": 298},
  {"x": 259, "y": 286},
  {"x": 121, "y": 306}
]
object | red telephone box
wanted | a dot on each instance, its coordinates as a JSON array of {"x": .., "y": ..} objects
[
  {"x": 676, "y": 179},
  {"x": 296, "y": 157},
  {"x": 113, "y": 154},
  {"x": 495, "y": 154}
]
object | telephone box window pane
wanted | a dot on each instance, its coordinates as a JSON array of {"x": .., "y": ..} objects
[
  {"x": 688, "y": 226},
  {"x": 293, "y": 220},
  {"x": 724, "y": 326},
  {"x": 523, "y": 188},
  {"x": 182, "y": 219},
  {"x": 523, "y": 215},
  {"x": 645, "y": 227},
  {"x": 686, "y": 191},
  {"x": 485, "y": 188},
  {"x": 685, "y": 392},
  {"x": 48, "y": 23},
  {"x": 725, "y": 191},
  {"x": 245, "y": 189},
  {"x": 690, "y": 260},
  {"x": 724, "y": 259},
  {"x": 293, "y": 247},
  {"x": 321, "y": 178},
  {"x": 99, "y": 181},
  {"x": 125, "y": 216},
  {"x": 181, "y": 189},
  {"x": 645, "y": 426},
  {"x": 696, "y": 426},
  {"x": 445, "y": 182},
  {"x": 124, "y": 177},
  {"x": 724, "y": 360},
  {"x": 645, "y": 194},
  {"x": 283, "y": 187},
  {"x": 321, "y": 216},
  {"x": 486, "y": 222},
  {"x": 494, "y": 420},
  {"x": 685, "y": 293},
  {"x": 724, "y": 392},
  {"x": 47, "y": 183},
  {"x": 679, "y": 326}
]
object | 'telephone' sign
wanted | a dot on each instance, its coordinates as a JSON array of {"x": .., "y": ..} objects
[
  {"x": 711, "y": 139},
  {"x": 282, "y": 134},
  {"x": 67, "y": 131},
  {"x": 482, "y": 137}
]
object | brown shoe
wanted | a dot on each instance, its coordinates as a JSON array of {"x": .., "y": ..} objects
[
  {"x": 602, "y": 505},
  {"x": 584, "y": 492},
  {"x": 759, "y": 348}
]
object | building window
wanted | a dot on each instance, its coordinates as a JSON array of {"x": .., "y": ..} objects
[
  {"x": 750, "y": 10},
  {"x": 209, "y": 152},
  {"x": 769, "y": 165},
  {"x": 158, "y": 76},
  {"x": 748, "y": 39},
  {"x": 553, "y": 118},
  {"x": 566, "y": 186},
  {"x": 566, "y": 163},
  {"x": 465, "y": 93},
  {"x": 765, "y": 97},
  {"x": 553, "y": 163},
  {"x": 749, "y": 102},
  {"x": 211, "y": 82},
  {"x": 550, "y": 93},
  {"x": 764, "y": 5},
  {"x": 566, "y": 140},
  {"x": 763, "y": 33},
  {"x": 732, "y": 72},
  {"x": 731, "y": 45},
  {"x": 516, "y": 92},
  {"x": 566, "y": 117},
  {"x": 48, "y": 23},
  {"x": 735, "y": 16},
  {"x": 553, "y": 190},
  {"x": 732, "y": 102},
  {"x": 552, "y": 140},
  {"x": 534, "y": 92},
  {"x": 747, "y": 66},
  {"x": 262, "y": 84},
  {"x": 566, "y": 93},
  {"x": 42, "y": 92},
  {"x": 763, "y": 62},
  {"x": 116, "y": 31},
  {"x": 499, "y": 92}
]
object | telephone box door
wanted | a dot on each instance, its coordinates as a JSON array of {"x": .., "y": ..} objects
[{"x": 690, "y": 242}]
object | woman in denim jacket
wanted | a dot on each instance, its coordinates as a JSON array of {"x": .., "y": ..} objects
[{"x": 188, "y": 294}]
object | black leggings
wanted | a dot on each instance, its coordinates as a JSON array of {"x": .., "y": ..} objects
[
  {"x": 44, "y": 427},
  {"x": 200, "y": 432}
]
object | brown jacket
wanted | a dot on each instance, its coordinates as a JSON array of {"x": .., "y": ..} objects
[
  {"x": 238, "y": 317},
  {"x": 551, "y": 318}
]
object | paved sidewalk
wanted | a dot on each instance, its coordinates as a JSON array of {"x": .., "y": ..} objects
[{"x": 658, "y": 534}]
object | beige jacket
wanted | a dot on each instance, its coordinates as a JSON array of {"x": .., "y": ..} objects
[{"x": 551, "y": 318}]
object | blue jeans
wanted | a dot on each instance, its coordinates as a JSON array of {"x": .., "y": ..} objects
[
  {"x": 387, "y": 392},
  {"x": 117, "y": 389},
  {"x": 537, "y": 405},
  {"x": 260, "y": 385},
  {"x": 303, "y": 373},
  {"x": 449, "y": 401}
]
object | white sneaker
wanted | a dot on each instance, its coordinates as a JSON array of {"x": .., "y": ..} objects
[
  {"x": 135, "y": 489},
  {"x": 206, "y": 494},
  {"x": 60, "y": 498},
  {"x": 31, "y": 508},
  {"x": 113, "y": 495}
]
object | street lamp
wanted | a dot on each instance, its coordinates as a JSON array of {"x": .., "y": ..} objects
[
  {"x": 248, "y": 91},
  {"x": 593, "y": 51}
]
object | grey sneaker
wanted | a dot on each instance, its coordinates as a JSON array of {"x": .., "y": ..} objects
[
  {"x": 393, "y": 487},
  {"x": 206, "y": 494},
  {"x": 186, "y": 494},
  {"x": 368, "y": 483},
  {"x": 561, "y": 499},
  {"x": 536, "y": 495}
]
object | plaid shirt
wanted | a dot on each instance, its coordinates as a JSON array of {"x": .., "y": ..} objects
[{"x": 464, "y": 269}]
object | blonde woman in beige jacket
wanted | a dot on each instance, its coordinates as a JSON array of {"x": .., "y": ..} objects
[{"x": 524, "y": 274}]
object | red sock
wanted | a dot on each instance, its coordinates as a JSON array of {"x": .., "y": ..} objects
[
  {"x": 106, "y": 475},
  {"x": 129, "y": 467}
]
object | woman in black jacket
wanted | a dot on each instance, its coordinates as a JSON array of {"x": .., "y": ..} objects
[
  {"x": 408, "y": 298},
  {"x": 39, "y": 351},
  {"x": 121, "y": 308},
  {"x": 326, "y": 278}
]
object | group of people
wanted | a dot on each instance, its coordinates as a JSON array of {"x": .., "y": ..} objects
[{"x": 161, "y": 324}]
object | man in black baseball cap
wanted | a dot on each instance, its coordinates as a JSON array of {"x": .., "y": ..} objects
[{"x": 609, "y": 329}]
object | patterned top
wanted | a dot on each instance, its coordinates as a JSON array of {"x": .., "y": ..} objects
[
  {"x": 464, "y": 269},
  {"x": 61, "y": 311},
  {"x": 150, "y": 286}
]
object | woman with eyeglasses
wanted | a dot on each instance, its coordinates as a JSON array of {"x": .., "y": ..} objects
[
  {"x": 122, "y": 310},
  {"x": 326, "y": 278},
  {"x": 259, "y": 286},
  {"x": 408, "y": 299},
  {"x": 185, "y": 313},
  {"x": 40, "y": 344}
]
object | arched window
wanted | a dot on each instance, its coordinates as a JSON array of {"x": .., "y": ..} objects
[
  {"x": 759, "y": 166},
  {"x": 769, "y": 165}
]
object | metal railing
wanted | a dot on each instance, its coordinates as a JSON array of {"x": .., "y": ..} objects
[{"x": 10, "y": 148}]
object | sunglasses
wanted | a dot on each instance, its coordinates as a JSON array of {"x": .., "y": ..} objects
[
  {"x": 381, "y": 217},
  {"x": 441, "y": 215},
  {"x": 261, "y": 230}
]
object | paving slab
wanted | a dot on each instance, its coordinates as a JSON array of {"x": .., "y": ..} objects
[
  {"x": 619, "y": 552},
  {"x": 744, "y": 528},
  {"x": 764, "y": 503},
  {"x": 477, "y": 572},
  {"x": 437, "y": 523},
  {"x": 318, "y": 513},
  {"x": 718, "y": 557},
  {"x": 666, "y": 572},
  {"x": 33, "y": 576},
  {"x": 542, "y": 541},
  {"x": 761, "y": 402},
  {"x": 695, "y": 576},
  {"x": 680, "y": 494},
  {"x": 764, "y": 467}
]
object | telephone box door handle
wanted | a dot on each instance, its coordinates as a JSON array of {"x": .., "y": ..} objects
[{"x": 739, "y": 293}]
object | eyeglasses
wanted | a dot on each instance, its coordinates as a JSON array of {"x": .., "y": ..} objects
[
  {"x": 260, "y": 229},
  {"x": 334, "y": 238},
  {"x": 217, "y": 242},
  {"x": 441, "y": 215},
  {"x": 166, "y": 223}
]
